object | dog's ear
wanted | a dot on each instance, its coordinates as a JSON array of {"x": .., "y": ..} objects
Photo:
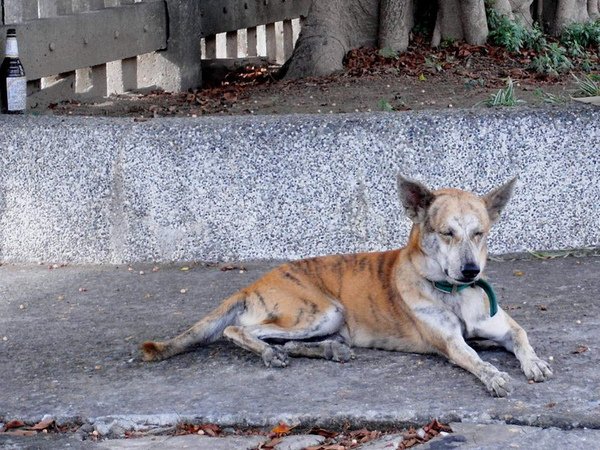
[
  {"x": 415, "y": 198},
  {"x": 496, "y": 200}
]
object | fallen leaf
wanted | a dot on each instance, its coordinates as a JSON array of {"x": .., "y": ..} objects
[
  {"x": 282, "y": 429},
  {"x": 43, "y": 424},
  {"x": 270, "y": 444},
  {"x": 580, "y": 349},
  {"x": 518, "y": 273},
  {"x": 13, "y": 424},
  {"x": 323, "y": 432},
  {"x": 232, "y": 267},
  {"x": 21, "y": 432}
]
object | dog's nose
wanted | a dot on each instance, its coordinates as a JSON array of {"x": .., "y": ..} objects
[{"x": 470, "y": 271}]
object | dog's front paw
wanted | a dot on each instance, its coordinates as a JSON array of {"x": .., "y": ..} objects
[
  {"x": 536, "y": 369},
  {"x": 499, "y": 384},
  {"x": 274, "y": 357}
]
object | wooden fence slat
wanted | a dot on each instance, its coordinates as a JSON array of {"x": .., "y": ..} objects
[
  {"x": 19, "y": 11},
  {"x": 288, "y": 39},
  {"x": 64, "y": 7},
  {"x": 211, "y": 47},
  {"x": 252, "y": 41},
  {"x": 47, "y": 8},
  {"x": 129, "y": 75},
  {"x": 64, "y": 43},
  {"x": 231, "y": 44},
  {"x": 219, "y": 16},
  {"x": 271, "y": 38}
]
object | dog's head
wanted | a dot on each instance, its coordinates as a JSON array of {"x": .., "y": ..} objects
[{"x": 451, "y": 228}]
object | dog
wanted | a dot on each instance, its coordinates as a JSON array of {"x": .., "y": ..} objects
[{"x": 428, "y": 297}]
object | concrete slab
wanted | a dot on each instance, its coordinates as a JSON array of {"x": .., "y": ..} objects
[
  {"x": 469, "y": 436},
  {"x": 93, "y": 190},
  {"x": 193, "y": 442},
  {"x": 69, "y": 337}
]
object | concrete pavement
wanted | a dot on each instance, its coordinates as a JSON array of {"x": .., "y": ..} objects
[{"x": 69, "y": 337}]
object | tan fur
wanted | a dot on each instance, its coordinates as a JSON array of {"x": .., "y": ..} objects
[{"x": 319, "y": 307}]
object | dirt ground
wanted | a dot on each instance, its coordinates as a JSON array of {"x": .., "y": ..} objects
[{"x": 457, "y": 76}]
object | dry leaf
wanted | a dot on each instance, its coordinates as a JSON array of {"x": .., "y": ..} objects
[
  {"x": 21, "y": 432},
  {"x": 13, "y": 424},
  {"x": 322, "y": 432},
  {"x": 232, "y": 267},
  {"x": 580, "y": 349},
  {"x": 42, "y": 425},
  {"x": 518, "y": 273},
  {"x": 281, "y": 429}
]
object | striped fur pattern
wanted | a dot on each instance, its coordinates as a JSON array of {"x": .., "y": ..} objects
[{"x": 324, "y": 306}]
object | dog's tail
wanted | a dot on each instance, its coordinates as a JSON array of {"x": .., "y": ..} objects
[{"x": 207, "y": 330}]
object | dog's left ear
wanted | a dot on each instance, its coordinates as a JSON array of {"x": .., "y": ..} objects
[{"x": 496, "y": 200}]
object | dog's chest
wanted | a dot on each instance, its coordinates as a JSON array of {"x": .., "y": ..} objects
[{"x": 469, "y": 307}]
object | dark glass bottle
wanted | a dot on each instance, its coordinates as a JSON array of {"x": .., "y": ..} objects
[{"x": 13, "y": 84}]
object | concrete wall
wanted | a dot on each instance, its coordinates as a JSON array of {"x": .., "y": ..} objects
[{"x": 114, "y": 190}]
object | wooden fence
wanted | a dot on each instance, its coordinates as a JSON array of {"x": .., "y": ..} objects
[{"x": 94, "y": 48}]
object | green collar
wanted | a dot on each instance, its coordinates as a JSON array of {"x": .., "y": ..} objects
[{"x": 450, "y": 288}]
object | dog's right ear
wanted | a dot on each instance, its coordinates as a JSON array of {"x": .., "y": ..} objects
[{"x": 415, "y": 198}]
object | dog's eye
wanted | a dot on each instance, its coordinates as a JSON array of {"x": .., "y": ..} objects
[
  {"x": 447, "y": 233},
  {"x": 478, "y": 234}
]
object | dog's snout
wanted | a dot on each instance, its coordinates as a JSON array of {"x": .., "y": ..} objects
[{"x": 470, "y": 271}]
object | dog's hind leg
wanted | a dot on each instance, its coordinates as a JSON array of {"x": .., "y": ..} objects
[
  {"x": 207, "y": 330},
  {"x": 272, "y": 356},
  {"x": 252, "y": 338},
  {"x": 333, "y": 348}
]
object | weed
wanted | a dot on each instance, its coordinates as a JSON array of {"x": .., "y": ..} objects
[
  {"x": 387, "y": 52},
  {"x": 384, "y": 105},
  {"x": 588, "y": 86},
  {"x": 432, "y": 62},
  {"x": 448, "y": 42},
  {"x": 505, "y": 32},
  {"x": 535, "y": 39},
  {"x": 552, "y": 61},
  {"x": 582, "y": 35},
  {"x": 504, "y": 97},
  {"x": 550, "y": 98}
]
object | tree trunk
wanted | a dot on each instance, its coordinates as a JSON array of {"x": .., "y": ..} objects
[
  {"x": 395, "y": 23},
  {"x": 568, "y": 12},
  {"x": 460, "y": 20},
  {"x": 521, "y": 10},
  {"x": 474, "y": 21},
  {"x": 594, "y": 9},
  {"x": 332, "y": 28}
]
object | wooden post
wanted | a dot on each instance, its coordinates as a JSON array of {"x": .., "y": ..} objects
[
  {"x": 271, "y": 39},
  {"x": 231, "y": 46},
  {"x": 288, "y": 39},
  {"x": 252, "y": 42}
]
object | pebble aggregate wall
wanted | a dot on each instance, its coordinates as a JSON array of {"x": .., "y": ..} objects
[{"x": 93, "y": 190}]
